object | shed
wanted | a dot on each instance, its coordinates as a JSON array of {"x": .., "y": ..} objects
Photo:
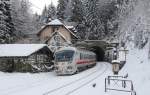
[{"x": 25, "y": 57}]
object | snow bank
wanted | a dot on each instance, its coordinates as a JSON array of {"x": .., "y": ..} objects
[{"x": 138, "y": 69}]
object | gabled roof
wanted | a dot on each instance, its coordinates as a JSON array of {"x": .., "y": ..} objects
[
  {"x": 55, "y": 22},
  {"x": 19, "y": 50},
  {"x": 71, "y": 32}
]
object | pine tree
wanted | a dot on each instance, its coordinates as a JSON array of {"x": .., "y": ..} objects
[
  {"x": 44, "y": 15},
  {"x": 91, "y": 18},
  {"x": 95, "y": 18},
  {"x": 68, "y": 11},
  {"x": 51, "y": 12},
  {"x": 85, "y": 14},
  {"x": 36, "y": 21},
  {"x": 61, "y": 9},
  {"x": 6, "y": 25},
  {"x": 77, "y": 10},
  {"x": 22, "y": 18}
]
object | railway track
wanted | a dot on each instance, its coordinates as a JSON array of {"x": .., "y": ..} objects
[
  {"x": 19, "y": 88},
  {"x": 22, "y": 87},
  {"x": 78, "y": 80},
  {"x": 86, "y": 83}
]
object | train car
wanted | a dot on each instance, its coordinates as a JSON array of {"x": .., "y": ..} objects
[{"x": 70, "y": 60}]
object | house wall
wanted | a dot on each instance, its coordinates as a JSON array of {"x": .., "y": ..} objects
[
  {"x": 65, "y": 33},
  {"x": 53, "y": 42},
  {"x": 47, "y": 32},
  {"x": 38, "y": 62}
]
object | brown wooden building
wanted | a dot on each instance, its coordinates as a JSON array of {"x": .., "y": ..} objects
[
  {"x": 56, "y": 34},
  {"x": 25, "y": 57}
]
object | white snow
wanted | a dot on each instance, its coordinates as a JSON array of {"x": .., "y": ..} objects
[
  {"x": 55, "y": 22},
  {"x": 42, "y": 83},
  {"x": 70, "y": 27},
  {"x": 115, "y": 61},
  {"x": 137, "y": 67},
  {"x": 10, "y": 50}
]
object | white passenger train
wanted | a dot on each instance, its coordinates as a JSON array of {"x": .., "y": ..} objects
[{"x": 70, "y": 60}]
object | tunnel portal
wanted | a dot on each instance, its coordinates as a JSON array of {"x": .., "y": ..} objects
[
  {"x": 100, "y": 53},
  {"x": 97, "y": 46}
]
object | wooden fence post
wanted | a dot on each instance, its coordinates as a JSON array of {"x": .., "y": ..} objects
[{"x": 105, "y": 85}]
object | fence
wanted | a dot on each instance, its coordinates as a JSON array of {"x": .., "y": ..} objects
[{"x": 119, "y": 83}]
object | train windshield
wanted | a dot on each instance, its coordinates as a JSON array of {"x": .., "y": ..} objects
[{"x": 66, "y": 55}]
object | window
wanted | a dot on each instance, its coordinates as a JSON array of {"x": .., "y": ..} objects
[
  {"x": 40, "y": 58},
  {"x": 31, "y": 58},
  {"x": 66, "y": 55},
  {"x": 57, "y": 40}
]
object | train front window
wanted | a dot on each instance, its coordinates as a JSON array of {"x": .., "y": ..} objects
[{"x": 66, "y": 55}]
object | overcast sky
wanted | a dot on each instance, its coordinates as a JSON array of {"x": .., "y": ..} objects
[{"x": 38, "y": 5}]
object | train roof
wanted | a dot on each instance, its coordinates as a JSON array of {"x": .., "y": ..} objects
[
  {"x": 74, "y": 49},
  {"x": 66, "y": 48}
]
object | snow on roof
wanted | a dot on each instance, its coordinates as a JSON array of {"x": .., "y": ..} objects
[
  {"x": 115, "y": 61},
  {"x": 70, "y": 27},
  {"x": 71, "y": 32},
  {"x": 55, "y": 22},
  {"x": 17, "y": 50}
]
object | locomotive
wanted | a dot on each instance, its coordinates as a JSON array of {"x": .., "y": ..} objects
[{"x": 70, "y": 60}]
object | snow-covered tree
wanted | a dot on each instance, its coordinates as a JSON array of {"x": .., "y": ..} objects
[
  {"x": 62, "y": 4},
  {"x": 48, "y": 13},
  {"x": 96, "y": 18},
  {"x": 77, "y": 11},
  {"x": 6, "y": 25},
  {"x": 44, "y": 15},
  {"x": 91, "y": 17},
  {"x": 21, "y": 16},
  {"x": 68, "y": 11},
  {"x": 36, "y": 21},
  {"x": 51, "y": 11}
]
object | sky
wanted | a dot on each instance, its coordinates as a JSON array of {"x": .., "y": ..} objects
[{"x": 38, "y": 5}]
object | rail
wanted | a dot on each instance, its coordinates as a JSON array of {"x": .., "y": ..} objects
[{"x": 70, "y": 83}]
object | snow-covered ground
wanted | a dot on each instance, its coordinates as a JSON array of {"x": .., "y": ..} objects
[
  {"x": 49, "y": 83},
  {"x": 138, "y": 69}
]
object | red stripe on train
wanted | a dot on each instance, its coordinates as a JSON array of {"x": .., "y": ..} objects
[{"x": 84, "y": 61}]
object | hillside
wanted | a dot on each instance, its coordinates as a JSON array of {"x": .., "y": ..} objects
[{"x": 138, "y": 69}]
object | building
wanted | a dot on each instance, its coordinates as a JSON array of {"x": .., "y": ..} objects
[
  {"x": 56, "y": 34},
  {"x": 25, "y": 57}
]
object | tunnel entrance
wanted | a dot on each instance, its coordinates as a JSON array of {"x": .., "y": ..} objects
[{"x": 100, "y": 53}]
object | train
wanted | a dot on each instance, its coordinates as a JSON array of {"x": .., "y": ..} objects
[{"x": 71, "y": 60}]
